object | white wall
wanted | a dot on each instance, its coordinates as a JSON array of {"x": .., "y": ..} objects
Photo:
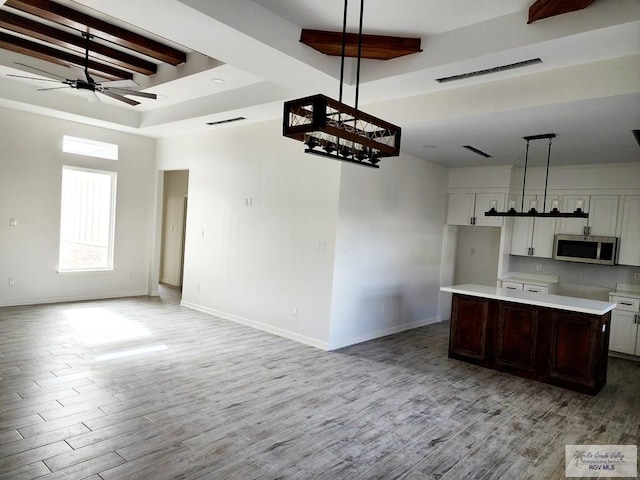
[
  {"x": 388, "y": 249},
  {"x": 261, "y": 228},
  {"x": 477, "y": 254},
  {"x": 176, "y": 185},
  {"x": 31, "y": 163}
]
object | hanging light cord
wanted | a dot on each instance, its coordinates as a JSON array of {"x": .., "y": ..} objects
[
  {"x": 546, "y": 180},
  {"x": 359, "y": 53},
  {"x": 524, "y": 178},
  {"x": 344, "y": 47}
]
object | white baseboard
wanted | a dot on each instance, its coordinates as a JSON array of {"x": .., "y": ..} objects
[
  {"x": 73, "y": 298},
  {"x": 258, "y": 325},
  {"x": 382, "y": 333}
]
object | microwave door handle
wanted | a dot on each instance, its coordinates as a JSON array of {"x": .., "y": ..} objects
[{"x": 598, "y": 250}]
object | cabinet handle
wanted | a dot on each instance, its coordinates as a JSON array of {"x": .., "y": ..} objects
[
  {"x": 626, "y": 303},
  {"x": 635, "y": 318},
  {"x": 511, "y": 288}
]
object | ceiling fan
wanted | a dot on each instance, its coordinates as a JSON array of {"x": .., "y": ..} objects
[{"x": 116, "y": 89}]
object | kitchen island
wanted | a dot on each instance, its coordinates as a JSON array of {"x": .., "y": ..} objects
[{"x": 559, "y": 340}]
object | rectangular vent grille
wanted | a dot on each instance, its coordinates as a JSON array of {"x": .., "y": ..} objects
[
  {"x": 488, "y": 71},
  {"x": 475, "y": 150},
  {"x": 636, "y": 133},
  {"x": 228, "y": 120}
]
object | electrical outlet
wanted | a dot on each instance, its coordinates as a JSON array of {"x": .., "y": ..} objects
[
  {"x": 294, "y": 311},
  {"x": 636, "y": 276},
  {"x": 12, "y": 281},
  {"x": 538, "y": 267}
]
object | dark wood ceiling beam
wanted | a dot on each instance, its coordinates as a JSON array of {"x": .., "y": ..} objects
[
  {"x": 64, "y": 15},
  {"x": 550, "y": 8},
  {"x": 44, "y": 52},
  {"x": 60, "y": 38},
  {"x": 376, "y": 47}
]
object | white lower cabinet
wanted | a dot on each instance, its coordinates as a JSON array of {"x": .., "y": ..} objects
[
  {"x": 525, "y": 287},
  {"x": 624, "y": 335}
]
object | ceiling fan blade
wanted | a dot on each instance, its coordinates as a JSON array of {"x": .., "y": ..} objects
[
  {"x": 39, "y": 70},
  {"x": 34, "y": 78},
  {"x": 120, "y": 84},
  {"x": 119, "y": 97},
  {"x": 135, "y": 93},
  {"x": 52, "y": 88},
  {"x": 79, "y": 73},
  {"x": 92, "y": 97}
]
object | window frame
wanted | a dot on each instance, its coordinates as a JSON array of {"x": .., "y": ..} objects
[{"x": 112, "y": 221}]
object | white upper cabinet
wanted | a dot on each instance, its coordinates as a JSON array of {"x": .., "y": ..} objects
[
  {"x": 533, "y": 236},
  {"x": 629, "y": 253},
  {"x": 469, "y": 208},
  {"x": 603, "y": 215}
]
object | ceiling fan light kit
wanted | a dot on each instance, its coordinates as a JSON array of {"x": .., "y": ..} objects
[
  {"x": 330, "y": 128},
  {"x": 533, "y": 212}
]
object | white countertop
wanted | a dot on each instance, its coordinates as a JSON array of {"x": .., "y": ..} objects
[
  {"x": 574, "y": 304},
  {"x": 530, "y": 278},
  {"x": 632, "y": 291}
]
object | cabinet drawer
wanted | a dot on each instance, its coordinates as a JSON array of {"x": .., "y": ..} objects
[
  {"x": 625, "y": 303},
  {"x": 512, "y": 285},
  {"x": 535, "y": 289}
]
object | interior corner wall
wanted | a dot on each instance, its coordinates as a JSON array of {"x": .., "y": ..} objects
[
  {"x": 261, "y": 228},
  {"x": 31, "y": 163},
  {"x": 388, "y": 249},
  {"x": 176, "y": 185}
]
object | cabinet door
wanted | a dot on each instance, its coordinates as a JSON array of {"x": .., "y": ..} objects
[
  {"x": 603, "y": 215},
  {"x": 573, "y": 226},
  {"x": 574, "y": 347},
  {"x": 624, "y": 331},
  {"x": 460, "y": 208},
  {"x": 516, "y": 331},
  {"x": 630, "y": 233},
  {"x": 543, "y": 233},
  {"x": 483, "y": 204},
  {"x": 521, "y": 236},
  {"x": 469, "y": 320}
]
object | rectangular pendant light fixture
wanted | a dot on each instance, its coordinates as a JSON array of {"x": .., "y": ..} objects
[
  {"x": 331, "y": 128},
  {"x": 532, "y": 212}
]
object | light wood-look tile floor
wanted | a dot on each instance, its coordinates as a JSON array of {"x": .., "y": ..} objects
[{"x": 143, "y": 388}]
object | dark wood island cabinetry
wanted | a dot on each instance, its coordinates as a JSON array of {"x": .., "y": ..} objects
[{"x": 530, "y": 338}]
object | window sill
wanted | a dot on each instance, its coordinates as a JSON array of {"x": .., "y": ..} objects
[{"x": 93, "y": 271}]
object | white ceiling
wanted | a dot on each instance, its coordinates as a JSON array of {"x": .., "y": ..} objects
[{"x": 586, "y": 90}]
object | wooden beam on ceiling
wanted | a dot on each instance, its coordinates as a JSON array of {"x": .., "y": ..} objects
[
  {"x": 375, "y": 47},
  {"x": 44, "y": 52},
  {"x": 61, "y": 38},
  {"x": 64, "y": 15},
  {"x": 549, "y": 8}
]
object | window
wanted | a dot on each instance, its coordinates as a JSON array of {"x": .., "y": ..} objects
[
  {"x": 90, "y": 148},
  {"x": 87, "y": 219}
]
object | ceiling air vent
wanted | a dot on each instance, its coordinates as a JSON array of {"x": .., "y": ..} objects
[
  {"x": 228, "y": 120},
  {"x": 475, "y": 150},
  {"x": 487, "y": 71},
  {"x": 636, "y": 133}
]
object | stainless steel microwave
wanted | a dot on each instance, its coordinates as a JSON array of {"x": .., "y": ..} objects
[{"x": 586, "y": 249}]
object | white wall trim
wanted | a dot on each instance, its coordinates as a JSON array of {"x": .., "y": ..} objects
[
  {"x": 382, "y": 333},
  {"x": 75, "y": 298},
  {"x": 259, "y": 326}
]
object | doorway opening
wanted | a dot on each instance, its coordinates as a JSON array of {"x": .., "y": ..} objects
[{"x": 174, "y": 224}]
